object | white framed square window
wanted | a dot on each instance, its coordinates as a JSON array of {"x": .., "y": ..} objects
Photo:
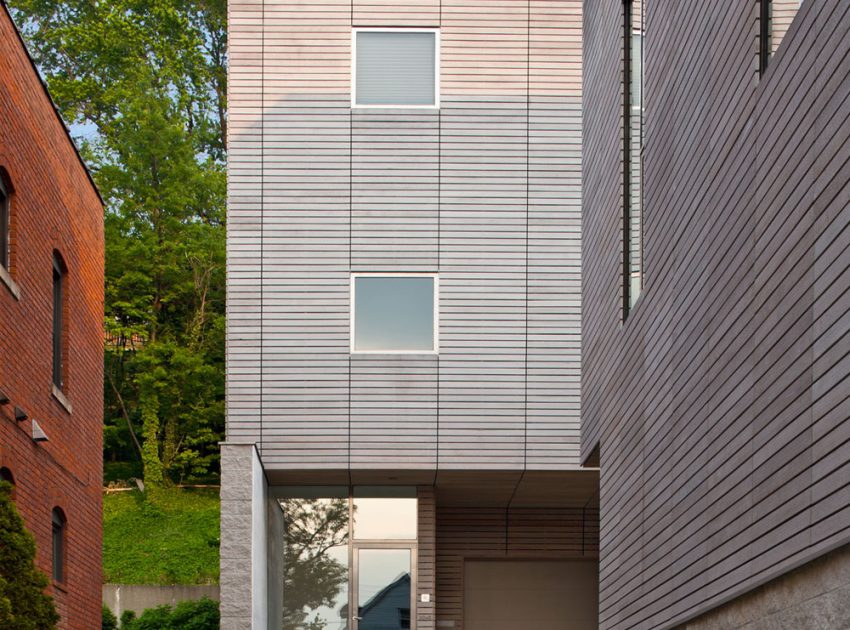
[
  {"x": 395, "y": 313},
  {"x": 395, "y": 67}
]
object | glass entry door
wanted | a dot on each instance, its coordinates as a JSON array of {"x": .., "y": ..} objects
[{"x": 384, "y": 587}]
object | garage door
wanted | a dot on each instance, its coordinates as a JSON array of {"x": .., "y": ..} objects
[{"x": 533, "y": 595}]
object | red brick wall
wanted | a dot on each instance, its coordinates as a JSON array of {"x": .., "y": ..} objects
[{"x": 55, "y": 207}]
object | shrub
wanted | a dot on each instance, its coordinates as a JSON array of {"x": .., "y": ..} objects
[
  {"x": 108, "y": 621},
  {"x": 23, "y": 603},
  {"x": 195, "y": 615}
]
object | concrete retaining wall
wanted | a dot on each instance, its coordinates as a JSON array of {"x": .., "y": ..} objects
[{"x": 140, "y": 597}]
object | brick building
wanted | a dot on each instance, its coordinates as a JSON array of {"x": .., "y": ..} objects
[{"x": 51, "y": 310}]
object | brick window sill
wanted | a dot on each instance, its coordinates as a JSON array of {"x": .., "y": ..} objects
[
  {"x": 13, "y": 287},
  {"x": 61, "y": 399}
]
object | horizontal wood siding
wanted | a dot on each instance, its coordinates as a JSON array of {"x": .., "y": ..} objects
[
  {"x": 394, "y": 13},
  {"x": 554, "y": 234},
  {"x": 484, "y": 191},
  {"x": 244, "y": 221},
  {"x": 518, "y": 533},
  {"x": 483, "y": 239},
  {"x": 426, "y": 558},
  {"x": 721, "y": 402}
]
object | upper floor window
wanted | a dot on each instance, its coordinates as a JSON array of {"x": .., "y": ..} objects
[
  {"x": 774, "y": 20},
  {"x": 396, "y": 68},
  {"x": 394, "y": 313},
  {"x": 633, "y": 114},
  {"x": 58, "y": 545},
  {"x": 5, "y": 223},
  {"x": 59, "y": 297}
]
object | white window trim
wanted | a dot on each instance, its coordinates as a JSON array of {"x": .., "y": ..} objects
[
  {"x": 379, "y": 29},
  {"x": 436, "y": 278}
]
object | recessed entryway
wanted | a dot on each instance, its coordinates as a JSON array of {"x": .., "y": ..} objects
[{"x": 544, "y": 595}]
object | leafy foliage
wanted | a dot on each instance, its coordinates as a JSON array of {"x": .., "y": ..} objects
[
  {"x": 144, "y": 84},
  {"x": 108, "y": 621},
  {"x": 23, "y": 603},
  {"x": 173, "y": 540},
  {"x": 199, "y": 615}
]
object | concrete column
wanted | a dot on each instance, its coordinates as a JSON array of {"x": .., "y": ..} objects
[{"x": 245, "y": 549}]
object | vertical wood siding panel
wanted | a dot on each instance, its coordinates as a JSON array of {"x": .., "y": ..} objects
[
  {"x": 554, "y": 235},
  {"x": 243, "y": 212},
  {"x": 426, "y": 559},
  {"x": 393, "y": 13},
  {"x": 483, "y": 217},
  {"x": 306, "y": 232}
]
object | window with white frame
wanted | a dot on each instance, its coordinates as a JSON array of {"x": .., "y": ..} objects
[
  {"x": 395, "y": 67},
  {"x": 394, "y": 313}
]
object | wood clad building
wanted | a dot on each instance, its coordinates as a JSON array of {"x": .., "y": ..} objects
[
  {"x": 346, "y": 167},
  {"x": 717, "y": 402}
]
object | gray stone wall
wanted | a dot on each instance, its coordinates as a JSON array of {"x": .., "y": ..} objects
[
  {"x": 814, "y": 597},
  {"x": 247, "y": 558}
]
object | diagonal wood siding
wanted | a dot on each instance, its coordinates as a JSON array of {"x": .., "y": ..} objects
[{"x": 721, "y": 403}]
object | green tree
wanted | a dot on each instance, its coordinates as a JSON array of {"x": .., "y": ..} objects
[
  {"x": 108, "y": 621},
  {"x": 143, "y": 84},
  {"x": 23, "y": 603}
]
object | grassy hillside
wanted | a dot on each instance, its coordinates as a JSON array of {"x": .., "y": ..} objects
[{"x": 174, "y": 540}]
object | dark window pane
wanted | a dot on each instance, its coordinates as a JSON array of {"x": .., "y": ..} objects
[
  {"x": 58, "y": 546},
  {"x": 4, "y": 228},
  {"x": 57, "y": 323}
]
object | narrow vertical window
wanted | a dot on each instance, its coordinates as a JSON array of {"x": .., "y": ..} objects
[
  {"x": 58, "y": 545},
  {"x": 775, "y": 17},
  {"x": 5, "y": 225},
  {"x": 58, "y": 320},
  {"x": 633, "y": 110}
]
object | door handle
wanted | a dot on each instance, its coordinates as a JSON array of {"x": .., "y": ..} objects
[{"x": 356, "y": 618}]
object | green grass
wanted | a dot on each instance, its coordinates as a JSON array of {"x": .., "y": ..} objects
[{"x": 171, "y": 540}]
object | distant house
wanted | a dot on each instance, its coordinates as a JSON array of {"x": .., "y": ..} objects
[
  {"x": 51, "y": 335},
  {"x": 388, "y": 609}
]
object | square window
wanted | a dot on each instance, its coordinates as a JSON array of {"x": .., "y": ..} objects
[
  {"x": 394, "y": 313},
  {"x": 395, "y": 68}
]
